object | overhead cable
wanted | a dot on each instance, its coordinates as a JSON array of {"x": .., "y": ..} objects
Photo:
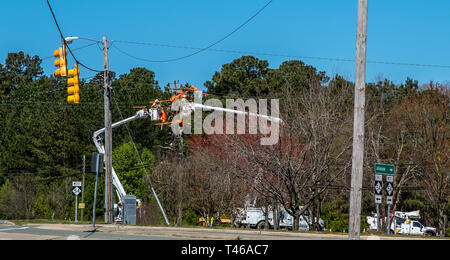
[
  {"x": 281, "y": 55},
  {"x": 201, "y": 49},
  {"x": 65, "y": 43}
]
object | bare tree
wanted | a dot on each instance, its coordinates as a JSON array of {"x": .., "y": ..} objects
[
  {"x": 388, "y": 142},
  {"x": 426, "y": 117},
  {"x": 311, "y": 153},
  {"x": 212, "y": 188},
  {"x": 167, "y": 182}
]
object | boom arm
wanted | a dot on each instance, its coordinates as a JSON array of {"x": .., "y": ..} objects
[
  {"x": 145, "y": 113},
  {"x": 269, "y": 118},
  {"x": 101, "y": 148}
]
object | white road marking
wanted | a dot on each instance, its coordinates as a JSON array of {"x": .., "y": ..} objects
[
  {"x": 373, "y": 238},
  {"x": 73, "y": 237},
  {"x": 9, "y": 229}
]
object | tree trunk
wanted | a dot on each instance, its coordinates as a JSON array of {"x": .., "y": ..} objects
[
  {"x": 276, "y": 216},
  {"x": 266, "y": 217},
  {"x": 441, "y": 222},
  {"x": 445, "y": 226},
  {"x": 311, "y": 222},
  {"x": 295, "y": 224}
]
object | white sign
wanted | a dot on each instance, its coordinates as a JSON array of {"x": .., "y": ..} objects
[
  {"x": 389, "y": 178},
  {"x": 378, "y": 199},
  {"x": 389, "y": 200},
  {"x": 76, "y": 184},
  {"x": 76, "y": 191}
]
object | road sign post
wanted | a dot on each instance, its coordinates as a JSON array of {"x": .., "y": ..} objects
[
  {"x": 76, "y": 190},
  {"x": 389, "y": 199},
  {"x": 378, "y": 196},
  {"x": 97, "y": 167},
  {"x": 389, "y": 171}
]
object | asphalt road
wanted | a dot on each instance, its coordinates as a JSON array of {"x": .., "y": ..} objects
[
  {"x": 59, "y": 232},
  {"x": 9, "y": 231},
  {"x": 117, "y": 232}
]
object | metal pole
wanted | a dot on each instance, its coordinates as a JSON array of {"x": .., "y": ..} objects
[
  {"x": 108, "y": 136},
  {"x": 82, "y": 194},
  {"x": 378, "y": 217},
  {"x": 95, "y": 192},
  {"x": 160, "y": 206},
  {"x": 389, "y": 220},
  {"x": 358, "y": 127},
  {"x": 76, "y": 209}
]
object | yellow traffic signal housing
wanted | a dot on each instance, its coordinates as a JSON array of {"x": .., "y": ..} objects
[
  {"x": 61, "y": 53},
  {"x": 74, "y": 87}
]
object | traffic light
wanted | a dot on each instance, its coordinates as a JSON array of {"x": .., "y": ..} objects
[
  {"x": 74, "y": 88},
  {"x": 61, "y": 62}
]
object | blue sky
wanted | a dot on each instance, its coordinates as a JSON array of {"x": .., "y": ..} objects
[{"x": 413, "y": 32}]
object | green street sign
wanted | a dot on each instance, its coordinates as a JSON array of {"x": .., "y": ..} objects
[{"x": 384, "y": 169}]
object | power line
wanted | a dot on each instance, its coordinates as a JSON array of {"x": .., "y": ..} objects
[
  {"x": 76, "y": 49},
  {"x": 51, "y": 103},
  {"x": 65, "y": 43},
  {"x": 37, "y": 180},
  {"x": 33, "y": 95},
  {"x": 277, "y": 55},
  {"x": 200, "y": 49},
  {"x": 18, "y": 99},
  {"x": 208, "y": 48}
]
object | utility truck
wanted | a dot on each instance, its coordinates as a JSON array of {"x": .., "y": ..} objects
[
  {"x": 405, "y": 223},
  {"x": 156, "y": 112},
  {"x": 254, "y": 217},
  {"x": 120, "y": 190}
]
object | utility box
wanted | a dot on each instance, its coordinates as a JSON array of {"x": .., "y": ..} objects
[{"x": 129, "y": 210}]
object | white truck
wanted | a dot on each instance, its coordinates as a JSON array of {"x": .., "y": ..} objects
[
  {"x": 405, "y": 223},
  {"x": 254, "y": 217}
]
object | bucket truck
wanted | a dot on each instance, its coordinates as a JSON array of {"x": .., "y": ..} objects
[
  {"x": 120, "y": 191},
  {"x": 157, "y": 113},
  {"x": 406, "y": 223}
]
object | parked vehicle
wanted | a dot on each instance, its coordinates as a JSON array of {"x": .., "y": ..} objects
[
  {"x": 254, "y": 217},
  {"x": 404, "y": 223},
  {"x": 407, "y": 223}
]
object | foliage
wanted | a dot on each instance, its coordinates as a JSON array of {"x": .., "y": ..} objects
[
  {"x": 131, "y": 168},
  {"x": 43, "y": 140}
]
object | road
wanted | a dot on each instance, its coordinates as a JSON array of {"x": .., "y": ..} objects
[{"x": 119, "y": 232}]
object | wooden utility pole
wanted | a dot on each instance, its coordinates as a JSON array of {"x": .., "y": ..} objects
[
  {"x": 358, "y": 127},
  {"x": 108, "y": 137}
]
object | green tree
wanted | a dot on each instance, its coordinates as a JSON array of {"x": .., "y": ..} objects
[
  {"x": 131, "y": 167},
  {"x": 244, "y": 77}
]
